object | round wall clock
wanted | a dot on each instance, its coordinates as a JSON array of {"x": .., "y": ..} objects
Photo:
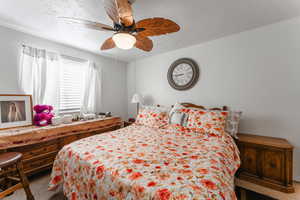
[{"x": 183, "y": 74}]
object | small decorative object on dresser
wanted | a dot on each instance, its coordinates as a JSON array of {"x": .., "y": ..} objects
[
  {"x": 57, "y": 120},
  {"x": 67, "y": 119},
  {"x": 266, "y": 161},
  {"x": 43, "y": 115},
  {"x": 88, "y": 116},
  {"x": 183, "y": 74},
  {"x": 15, "y": 110},
  {"x": 105, "y": 114}
]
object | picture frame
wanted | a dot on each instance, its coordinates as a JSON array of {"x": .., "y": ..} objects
[{"x": 15, "y": 110}]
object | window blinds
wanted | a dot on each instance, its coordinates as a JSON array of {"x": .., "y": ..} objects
[{"x": 72, "y": 83}]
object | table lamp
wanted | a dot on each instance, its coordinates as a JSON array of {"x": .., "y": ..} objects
[{"x": 137, "y": 98}]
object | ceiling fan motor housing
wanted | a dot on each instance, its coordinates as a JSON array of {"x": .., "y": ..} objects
[{"x": 127, "y": 29}]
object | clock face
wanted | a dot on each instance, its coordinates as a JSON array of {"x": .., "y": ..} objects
[{"x": 183, "y": 74}]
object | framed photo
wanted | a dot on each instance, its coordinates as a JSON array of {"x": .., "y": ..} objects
[{"x": 15, "y": 111}]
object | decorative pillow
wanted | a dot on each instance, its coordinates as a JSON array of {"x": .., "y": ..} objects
[
  {"x": 186, "y": 110},
  {"x": 207, "y": 121},
  {"x": 155, "y": 119},
  {"x": 177, "y": 116},
  {"x": 157, "y": 108},
  {"x": 232, "y": 123}
]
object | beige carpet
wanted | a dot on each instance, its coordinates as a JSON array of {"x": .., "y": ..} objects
[{"x": 38, "y": 186}]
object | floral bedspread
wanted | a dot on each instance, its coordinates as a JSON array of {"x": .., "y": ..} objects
[{"x": 142, "y": 163}]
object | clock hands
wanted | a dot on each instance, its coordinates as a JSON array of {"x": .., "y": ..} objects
[{"x": 177, "y": 75}]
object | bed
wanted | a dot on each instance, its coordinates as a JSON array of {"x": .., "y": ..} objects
[{"x": 146, "y": 163}]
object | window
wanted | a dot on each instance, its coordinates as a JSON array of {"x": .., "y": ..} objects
[
  {"x": 72, "y": 77},
  {"x": 69, "y": 84}
]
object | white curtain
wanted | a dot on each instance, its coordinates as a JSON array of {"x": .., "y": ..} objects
[
  {"x": 91, "y": 98},
  {"x": 52, "y": 90},
  {"x": 39, "y": 75},
  {"x": 38, "y": 71}
]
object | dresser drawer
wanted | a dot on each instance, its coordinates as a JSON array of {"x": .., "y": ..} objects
[
  {"x": 41, "y": 150},
  {"x": 69, "y": 139},
  {"x": 86, "y": 135},
  {"x": 39, "y": 161},
  {"x": 31, "y": 151}
]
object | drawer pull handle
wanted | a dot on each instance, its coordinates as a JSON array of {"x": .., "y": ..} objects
[{"x": 273, "y": 165}]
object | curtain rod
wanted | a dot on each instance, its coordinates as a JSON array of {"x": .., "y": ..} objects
[
  {"x": 66, "y": 56},
  {"x": 74, "y": 58}
]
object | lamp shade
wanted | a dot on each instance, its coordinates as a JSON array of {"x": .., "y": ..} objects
[
  {"x": 124, "y": 40},
  {"x": 137, "y": 99}
]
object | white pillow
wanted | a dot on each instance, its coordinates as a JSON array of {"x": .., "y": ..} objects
[
  {"x": 156, "y": 108},
  {"x": 177, "y": 117}
]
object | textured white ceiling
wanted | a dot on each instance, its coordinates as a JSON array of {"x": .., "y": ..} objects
[{"x": 201, "y": 20}]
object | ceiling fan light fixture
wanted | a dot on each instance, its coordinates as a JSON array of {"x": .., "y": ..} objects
[{"x": 124, "y": 40}]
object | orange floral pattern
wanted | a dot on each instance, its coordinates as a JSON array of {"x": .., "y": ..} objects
[
  {"x": 207, "y": 121},
  {"x": 142, "y": 163},
  {"x": 152, "y": 118}
]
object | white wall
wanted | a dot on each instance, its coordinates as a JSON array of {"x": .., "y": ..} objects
[
  {"x": 255, "y": 71},
  {"x": 114, "y": 79}
]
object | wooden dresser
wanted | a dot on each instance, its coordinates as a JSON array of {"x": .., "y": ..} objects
[
  {"x": 266, "y": 161},
  {"x": 40, "y": 152}
]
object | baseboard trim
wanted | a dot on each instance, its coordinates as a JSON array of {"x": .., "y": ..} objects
[{"x": 297, "y": 179}]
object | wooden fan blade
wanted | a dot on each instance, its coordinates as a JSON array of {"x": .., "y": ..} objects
[
  {"x": 111, "y": 8},
  {"x": 125, "y": 12},
  {"x": 88, "y": 24},
  {"x": 157, "y": 26},
  {"x": 108, "y": 44},
  {"x": 143, "y": 43}
]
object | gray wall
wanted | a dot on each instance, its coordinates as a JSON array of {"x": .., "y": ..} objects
[
  {"x": 114, "y": 80},
  {"x": 255, "y": 71}
]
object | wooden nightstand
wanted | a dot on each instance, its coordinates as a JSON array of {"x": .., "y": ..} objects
[
  {"x": 266, "y": 161},
  {"x": 127, "y": 123}
]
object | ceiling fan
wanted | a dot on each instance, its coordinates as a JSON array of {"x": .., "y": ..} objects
[{"x": 128, "y": 33}]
